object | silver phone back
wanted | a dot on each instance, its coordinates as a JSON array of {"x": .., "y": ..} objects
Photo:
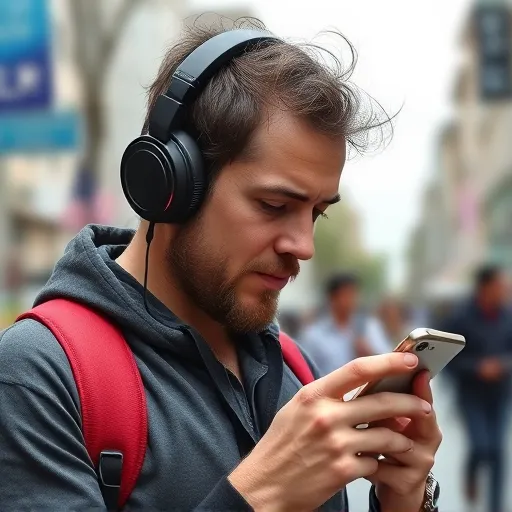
[{"x": 434, "y": 352}]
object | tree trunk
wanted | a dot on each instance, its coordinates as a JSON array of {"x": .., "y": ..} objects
[{"x": 94, "y": 131}]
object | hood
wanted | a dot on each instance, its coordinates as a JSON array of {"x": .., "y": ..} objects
[{"x": 87, "y": 273}]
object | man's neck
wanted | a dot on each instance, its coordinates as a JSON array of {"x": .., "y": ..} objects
[{"x": 133, "y": 261}]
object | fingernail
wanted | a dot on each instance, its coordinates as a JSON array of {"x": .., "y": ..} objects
[
  {"x": 426, "y": 406},
  {"x": 410, "y": 360}
]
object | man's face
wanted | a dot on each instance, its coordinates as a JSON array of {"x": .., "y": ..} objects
[
  {"x": 345, "y": 300},
  {"x": 234, "y": 258},
  {"x": 497, "y": 290}
]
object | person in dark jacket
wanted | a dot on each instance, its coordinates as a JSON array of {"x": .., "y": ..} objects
[
  {"x": 482, "y": 378},
  {"x": 229, "y": 425}
]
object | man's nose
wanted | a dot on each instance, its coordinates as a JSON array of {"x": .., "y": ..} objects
[{"x": 298, "y": 242}]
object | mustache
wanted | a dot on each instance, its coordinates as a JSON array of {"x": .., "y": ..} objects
[{"x": 289, "y": 266}]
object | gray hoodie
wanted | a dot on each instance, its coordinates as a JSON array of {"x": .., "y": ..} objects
[{"x": 201, "y": 420}]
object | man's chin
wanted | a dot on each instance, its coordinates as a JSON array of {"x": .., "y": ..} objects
[{"x": 253, "y": 318}]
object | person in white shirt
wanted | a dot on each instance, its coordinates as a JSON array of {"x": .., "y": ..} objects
[{"x": 339, "y": 336}]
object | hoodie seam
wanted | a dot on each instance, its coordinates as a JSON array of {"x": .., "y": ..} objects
[
  {"x": 119, "y": 294},
  {"x": 36, "y": 391}
]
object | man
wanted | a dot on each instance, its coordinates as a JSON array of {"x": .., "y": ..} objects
[
  {"x": 482, "y": 378},
  {"x": 229, "y": 426},
  {"x": 339, "y": 336}
]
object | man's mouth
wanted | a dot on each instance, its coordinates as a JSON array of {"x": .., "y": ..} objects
[{"x": 273, "y": 281}]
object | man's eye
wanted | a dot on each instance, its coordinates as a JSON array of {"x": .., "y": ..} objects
[{"x": 272, "y": 208}]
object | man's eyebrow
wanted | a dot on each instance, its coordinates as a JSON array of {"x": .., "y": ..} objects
[{"x": 298, "y": 196}]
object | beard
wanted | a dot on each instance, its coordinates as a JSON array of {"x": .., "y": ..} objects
[{"x": 201, "y": 270}]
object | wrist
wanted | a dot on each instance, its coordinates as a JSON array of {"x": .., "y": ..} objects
[
  {"x": 390, "y": 501},
  {"x": 259, "y": 492}
]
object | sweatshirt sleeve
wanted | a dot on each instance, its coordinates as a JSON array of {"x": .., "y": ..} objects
[
  {"x": 374, "y": 502},
  {"x": 43, "y": 461},
  {"x": 224, "y": 497}
]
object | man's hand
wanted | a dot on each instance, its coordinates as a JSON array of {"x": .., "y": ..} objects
[
  {"x": 312, "y": 448},
  {"x": 490, "y": 369},
  {"x": 400, "y": 479}
]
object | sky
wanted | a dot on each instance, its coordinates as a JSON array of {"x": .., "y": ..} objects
[{"x": 408, "y": 55}]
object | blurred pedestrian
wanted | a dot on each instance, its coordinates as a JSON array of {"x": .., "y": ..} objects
[
  {"x": 338, "y": 336},
  {"x": 482, "y": 377}
]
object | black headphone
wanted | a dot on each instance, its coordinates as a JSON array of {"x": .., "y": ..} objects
[{"x": 162, "y": 173}]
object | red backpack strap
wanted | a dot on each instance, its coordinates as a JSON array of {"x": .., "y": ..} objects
[
  {"x": 295, "y": 360},
  {"x": 112, "y": 397}
]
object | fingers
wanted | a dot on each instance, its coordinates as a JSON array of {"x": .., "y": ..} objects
[
  {"x": 360, "y": 371},
  {"x": 421, "y": 387},
  {"x": 380, "y": 440},
  {"x": 358, "y": 467},
  {"x": 394, "y": 424},
  {"x": 381, "y": 406},
  {"x": 402, "y": 479},
  {"x": 424, "y": 428}
]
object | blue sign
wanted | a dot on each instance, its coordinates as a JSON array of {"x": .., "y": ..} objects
[
  {"x": 25, "y": 55},
  {"x": 40, "y": 132}
]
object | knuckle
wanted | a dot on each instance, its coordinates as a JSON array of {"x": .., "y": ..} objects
[
  {"x": 338, "y": 445},
  {"x": 307, "y": 395},
  {"x": 418, "y": 403},
  {"x": 429, "y": 461},
  {"x": 322, "y": 421},
  {"x": 358, "y": 368},
  {"x": 386, "y": 399},
  {"x": 345, "y": 468},
  {"x": 397, "y": 442}
]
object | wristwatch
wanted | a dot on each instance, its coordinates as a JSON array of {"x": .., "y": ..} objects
[{"x": 432, "y": 491}]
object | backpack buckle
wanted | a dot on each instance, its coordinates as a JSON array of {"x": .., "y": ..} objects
[{"x": 110, "y": 469}]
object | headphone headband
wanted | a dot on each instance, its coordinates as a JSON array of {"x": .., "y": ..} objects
[
  {"x": 193, "y": 74},
  {"x": 162, "y": 174}
]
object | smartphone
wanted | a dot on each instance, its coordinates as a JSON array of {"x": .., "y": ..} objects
[{"x": 435, "y": 349}]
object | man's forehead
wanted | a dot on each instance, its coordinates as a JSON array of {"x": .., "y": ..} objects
[{"x": 296, "y": 137}]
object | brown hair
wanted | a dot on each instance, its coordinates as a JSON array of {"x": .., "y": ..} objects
[{"x": 280, "y": 74}]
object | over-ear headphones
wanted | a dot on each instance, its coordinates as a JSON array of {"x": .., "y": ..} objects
[{"x": 162, "y": 173}]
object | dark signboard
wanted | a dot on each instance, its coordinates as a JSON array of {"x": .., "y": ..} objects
[{"x": 492, "y": 25}]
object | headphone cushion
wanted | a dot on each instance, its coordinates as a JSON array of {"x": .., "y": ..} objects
[{"x": 189, "y": 176}]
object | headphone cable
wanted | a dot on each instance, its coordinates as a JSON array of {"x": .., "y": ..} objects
[{"x": 149, "y": 238}]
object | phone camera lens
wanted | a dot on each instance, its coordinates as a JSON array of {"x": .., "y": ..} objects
[{"x": 422, "y": 346}]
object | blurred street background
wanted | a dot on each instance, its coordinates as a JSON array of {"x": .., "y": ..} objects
[{"x": 415, "y": 221}]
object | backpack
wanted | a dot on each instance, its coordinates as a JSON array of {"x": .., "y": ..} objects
[{"x": 112, "y": 396}]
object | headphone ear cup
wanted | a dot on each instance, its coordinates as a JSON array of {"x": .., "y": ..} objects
[
  {"x": 189, "y": 177},
  {"x": 147, "y": 177},
  {"x": 163, "y": 183}
]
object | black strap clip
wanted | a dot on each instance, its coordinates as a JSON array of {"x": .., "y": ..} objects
[{"x": 110, "y": 469}]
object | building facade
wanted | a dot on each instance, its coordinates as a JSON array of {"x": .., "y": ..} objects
[{"x": 473, "y": 173}]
